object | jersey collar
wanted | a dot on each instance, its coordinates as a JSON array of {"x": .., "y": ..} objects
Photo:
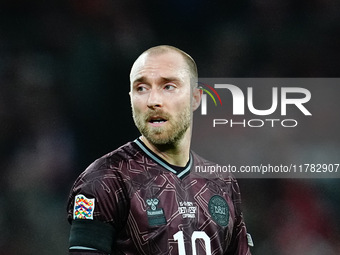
[{"x": 180, "y": 173}]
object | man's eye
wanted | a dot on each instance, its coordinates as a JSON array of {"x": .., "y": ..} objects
[
  {"x": 169, "y": 87},
  {"x": 140, "y": 88}
]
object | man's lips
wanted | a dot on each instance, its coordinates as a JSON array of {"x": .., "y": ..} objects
[{"x": 157, "y": 120}]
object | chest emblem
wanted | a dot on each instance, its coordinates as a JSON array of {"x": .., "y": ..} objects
[
  {"x": 219, "y": 210},
  {"x": 187, "y": 209},
  {"x": 155, "y": 214}
]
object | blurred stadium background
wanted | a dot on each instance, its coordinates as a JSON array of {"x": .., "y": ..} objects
[{"x": 64, "y": 86}]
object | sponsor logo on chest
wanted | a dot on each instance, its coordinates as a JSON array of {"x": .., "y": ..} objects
[{"x": 155, "y": 214}]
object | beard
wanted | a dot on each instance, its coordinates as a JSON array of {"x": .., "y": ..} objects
[{"x": 173, "y": 131}]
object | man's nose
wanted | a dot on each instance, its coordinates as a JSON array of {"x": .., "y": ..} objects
[{"x": 155, "y": 99}]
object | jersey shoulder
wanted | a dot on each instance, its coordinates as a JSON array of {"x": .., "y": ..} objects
[
  {"x": 104, "y": 183},
  {"x": 112, "y": 162}
]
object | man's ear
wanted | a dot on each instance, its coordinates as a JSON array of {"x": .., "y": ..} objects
[{"x": 196, "y": 98}]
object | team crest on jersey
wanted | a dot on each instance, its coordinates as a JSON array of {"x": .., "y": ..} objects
[
  {"x": 219, "y": 210},
  {"x": 155, "y": 215},
  {"x": 83, "y": 207}
]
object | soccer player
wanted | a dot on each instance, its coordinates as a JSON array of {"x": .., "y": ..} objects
[{"x": 144, "y": 198}]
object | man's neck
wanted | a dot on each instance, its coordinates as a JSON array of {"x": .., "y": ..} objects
[{"x": 177, "y": 155}]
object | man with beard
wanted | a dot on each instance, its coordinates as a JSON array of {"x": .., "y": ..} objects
[{"x": 143, "y": 197}]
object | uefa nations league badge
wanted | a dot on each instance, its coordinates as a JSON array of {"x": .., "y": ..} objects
[{"x": 219, "y": 210}]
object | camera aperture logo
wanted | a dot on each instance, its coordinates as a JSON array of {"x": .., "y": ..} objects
[
  {"x": 295, "y": 98},
  {"x": 204, "y": 97}
]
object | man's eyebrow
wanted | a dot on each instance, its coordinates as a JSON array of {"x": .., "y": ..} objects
[
  {"x": 169, "y": 79},
  {"x": 143, "y": 79},
  {"x": 140, "y": 79}
]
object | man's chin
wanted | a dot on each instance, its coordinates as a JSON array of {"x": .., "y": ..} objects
[
  {"x": 159, "y": 140},
  {"x": 162, "y": 137}
]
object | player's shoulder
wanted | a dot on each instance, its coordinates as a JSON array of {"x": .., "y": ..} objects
[{"x": 112, "y": 161}]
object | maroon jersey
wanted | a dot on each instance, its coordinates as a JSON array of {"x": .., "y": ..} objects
[{"x": 132, "y": 202}]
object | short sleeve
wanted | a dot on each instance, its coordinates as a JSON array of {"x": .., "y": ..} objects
[{"x": 97, "y": 207}]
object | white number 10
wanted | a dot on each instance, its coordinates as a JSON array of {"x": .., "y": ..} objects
[{"x": 195, "y": 235}]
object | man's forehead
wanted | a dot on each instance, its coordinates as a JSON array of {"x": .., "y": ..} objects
[{"x": 168, "y": 61}]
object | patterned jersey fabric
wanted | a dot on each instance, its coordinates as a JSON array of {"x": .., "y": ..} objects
[{"x": 153, "y": 207}]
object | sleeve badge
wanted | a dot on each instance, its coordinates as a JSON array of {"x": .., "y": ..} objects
[{"x": 83, "y": 207}]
